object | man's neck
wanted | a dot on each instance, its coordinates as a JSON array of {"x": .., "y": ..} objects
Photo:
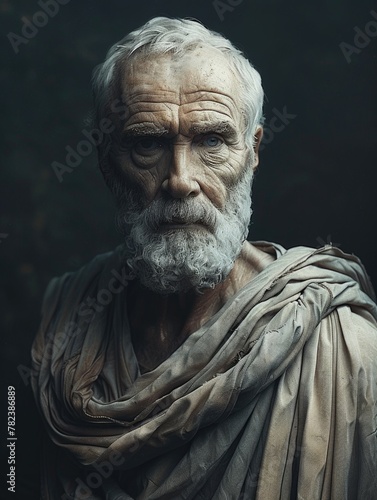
[{"x": 161, "y": 323}]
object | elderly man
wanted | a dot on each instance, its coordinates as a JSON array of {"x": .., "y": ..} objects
[{"x": 189, "y": 362}]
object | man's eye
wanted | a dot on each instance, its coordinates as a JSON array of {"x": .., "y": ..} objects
[
  {"x": 211, "y": 141},
  {"x": 147, "y": 145}
]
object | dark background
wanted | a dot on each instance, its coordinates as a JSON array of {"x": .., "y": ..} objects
[{"x": 316, "y": 182}]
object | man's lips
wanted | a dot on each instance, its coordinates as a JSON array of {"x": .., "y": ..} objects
[
  {"x": 175, "y": 225},
  {"x": 181, "y": 224}
]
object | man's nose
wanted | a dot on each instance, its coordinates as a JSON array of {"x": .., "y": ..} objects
[{"x": 181, "y": 179}]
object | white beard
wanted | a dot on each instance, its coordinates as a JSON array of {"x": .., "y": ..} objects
[{"x": 182, "y": 259}]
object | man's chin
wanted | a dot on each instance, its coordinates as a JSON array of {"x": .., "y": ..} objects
[{"x": 172, "y": 265}]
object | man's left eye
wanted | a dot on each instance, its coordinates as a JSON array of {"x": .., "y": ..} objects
[{"x": 212, "y": 141}]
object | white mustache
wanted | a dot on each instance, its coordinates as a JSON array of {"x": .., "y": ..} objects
[{"x": 188, "y": 211}]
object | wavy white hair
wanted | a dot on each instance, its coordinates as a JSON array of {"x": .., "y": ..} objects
[{"x": 163, "y": 35}]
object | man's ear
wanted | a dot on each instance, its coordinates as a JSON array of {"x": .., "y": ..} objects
[{"x": 258, "y": 135}]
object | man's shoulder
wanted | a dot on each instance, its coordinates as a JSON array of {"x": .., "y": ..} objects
[
  {"x": 329, "y": 263},
  {"x": 341, "y": 286},
  {"x": 332, "y": 284},
  {"x": 74, "y": 285}
]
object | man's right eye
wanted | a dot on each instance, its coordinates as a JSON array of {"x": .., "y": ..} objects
[
  {"x": 146, "y": 146},
  {"x": 145, "y": 151}
]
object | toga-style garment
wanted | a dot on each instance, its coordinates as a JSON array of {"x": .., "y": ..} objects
[{"x": 275, "y": 397}]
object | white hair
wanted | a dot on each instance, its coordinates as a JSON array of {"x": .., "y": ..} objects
[{"x": 163, "y": 35}]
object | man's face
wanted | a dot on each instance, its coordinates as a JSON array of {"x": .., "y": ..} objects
[
  {"x": 182, "y": 150},
  {"x": 184, "y": 131}
]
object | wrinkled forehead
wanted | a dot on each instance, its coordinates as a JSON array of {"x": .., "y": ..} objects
[{"x": 180, "y": 77}]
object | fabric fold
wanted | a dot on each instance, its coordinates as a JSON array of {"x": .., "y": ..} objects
[{"x": 274, "y": 397}]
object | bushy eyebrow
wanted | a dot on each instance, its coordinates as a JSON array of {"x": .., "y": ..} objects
[
  {"x": 225, "y": 128},
  {"x": 141, "y": 129}
]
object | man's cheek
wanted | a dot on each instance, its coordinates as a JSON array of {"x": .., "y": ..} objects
[
  {"x": 145, "y": 182},
  {"x": 229, "y": 172},
  {"x": 215, "y": 186},
  {"x": 238, "y": 162},
  {"x": 214, "y": 159}
]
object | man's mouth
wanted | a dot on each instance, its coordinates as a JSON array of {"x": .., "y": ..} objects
[{"x": 177, "y": 223}]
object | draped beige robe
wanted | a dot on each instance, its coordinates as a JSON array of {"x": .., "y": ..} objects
[{"x": 274, "y": 398}]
